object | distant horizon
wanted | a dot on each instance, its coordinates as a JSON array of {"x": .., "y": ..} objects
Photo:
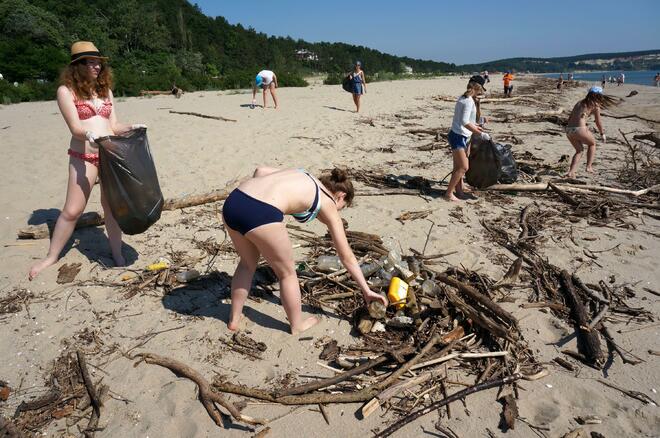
[{"x": 423, "y": 30}]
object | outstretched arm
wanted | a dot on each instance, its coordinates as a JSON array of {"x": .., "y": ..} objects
[
  {"x": 599, "y": 121},
  {"x": 264, "y": 170},
  {"x": 336, "y": 229}
]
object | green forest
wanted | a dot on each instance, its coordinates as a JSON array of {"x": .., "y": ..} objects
[{"x": 153, "y": 44}]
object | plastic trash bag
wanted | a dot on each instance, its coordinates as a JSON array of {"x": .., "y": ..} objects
[
  {"x": 129, "y": 180},
  {"x": 490, "y": 163},
  {"x": 346, "y": 84}
]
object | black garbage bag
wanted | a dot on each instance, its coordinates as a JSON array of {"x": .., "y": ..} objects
[
  {"x": 508, "y": 167},
  {"x": 490, "y": 163},
  {"x": 346, "y": 84},
  {"x": 129, "y": 180}
]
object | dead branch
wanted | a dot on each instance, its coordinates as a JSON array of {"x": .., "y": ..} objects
[
  {"x": 454, "y": 397},
  {"x": 204, "y": 116},
  {"x": 94, "y": 398},
  {"x": 207, "y": 395},
  {"x": 590, "y": 343}
]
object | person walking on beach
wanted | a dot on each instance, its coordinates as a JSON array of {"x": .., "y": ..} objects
[
  {"x": 560, "y": 82},
  {"x": 577, "y": 130},
  {"x": 657, "y": 79},
  {"x": 508, "y": 87},
  {"x": 254, "y": 218},
  {"x": 267, "y": 81},
  {"x": 486, "y": 77},
  {"x": 602, "y": 82},
  {"x": 463, "y": 126},
  {"x": 86, "y": 103},
  {"x": 358, "y": 84}
]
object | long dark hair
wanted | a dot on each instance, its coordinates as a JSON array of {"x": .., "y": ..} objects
[
  {"x": 77, "y": 78},
  {"x": 600, "y": 100}
]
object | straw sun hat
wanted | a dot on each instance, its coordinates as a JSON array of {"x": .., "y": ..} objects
[{"x": 84, "y": 50}]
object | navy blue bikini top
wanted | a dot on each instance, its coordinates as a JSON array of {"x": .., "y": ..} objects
[{"x": 313, "y": 211}]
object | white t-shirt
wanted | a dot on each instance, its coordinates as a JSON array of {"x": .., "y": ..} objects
[
  {"x": 465, "y": 112},
  {"x": 267, "y": 76}
]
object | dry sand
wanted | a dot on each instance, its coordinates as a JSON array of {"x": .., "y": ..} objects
[{"x": 315, "y": 128}]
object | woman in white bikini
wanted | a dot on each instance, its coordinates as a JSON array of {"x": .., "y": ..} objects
[
  {"x": 254, "y": 218},
  {"x": 86, "y": 103},
  {"x": 577, "y": 130}
]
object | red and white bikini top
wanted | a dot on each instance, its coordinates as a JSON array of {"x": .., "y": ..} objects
[{"x": 86, "y": 110}]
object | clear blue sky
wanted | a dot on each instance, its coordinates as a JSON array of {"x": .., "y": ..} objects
[{"x": 460, "y": 31}]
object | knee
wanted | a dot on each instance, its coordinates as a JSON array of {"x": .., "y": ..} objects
[
  {"x": 285, "y": 272},
  {"x": 71, "y": 213}
]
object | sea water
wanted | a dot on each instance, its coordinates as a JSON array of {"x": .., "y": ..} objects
[{"x": 643, "y": 77}]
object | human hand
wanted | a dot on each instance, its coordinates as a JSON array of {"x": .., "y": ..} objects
[
  {"x": 603, "y": 137},
  {"x": 138, "y": 126},
  {"x": 91, "y": 137},
  {"x": 370, "y": 296}
]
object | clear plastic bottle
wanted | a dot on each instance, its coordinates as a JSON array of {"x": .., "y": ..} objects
[
  {"x": 186, "y": 276},
  {"x": 369, "y": 269},
  {"x": 328, "y": 263}
]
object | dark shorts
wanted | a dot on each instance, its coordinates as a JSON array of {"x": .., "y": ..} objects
[
  {"x": 457, "y": 141},
  {"x": 508, "y": 89},
  {"x": 243, "y": 213}
]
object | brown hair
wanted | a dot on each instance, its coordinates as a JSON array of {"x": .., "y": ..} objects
[
  {"x": 594, "y": 100},
  {"x": 76, "y": 77},
  {"x": 338, "y": 181}
]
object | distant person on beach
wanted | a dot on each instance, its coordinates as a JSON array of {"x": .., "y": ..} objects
[
  {"x": 657, "y": 79},
  {"x": 486, "y": 77},
  {"x": 463, "y": 126},
  {"x": 620, "y": 80},
  {"x": 602, "y": 82},
  {"x": 86, "y": 103},
  {"x": 254, "y": 218},
  {"x": 508, "y": 87},
  {"x": 358, "y": 84},
  {"x": 267, "y": 81},
  {"x": 578, "y": 132},
  {"x": 570, "y": 77},
  {"x": 560, "y": 82}
]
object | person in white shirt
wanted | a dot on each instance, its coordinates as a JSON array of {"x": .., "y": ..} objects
[
  {"x": 463, "y": 126},
  {"x": 267, "y": 81}
]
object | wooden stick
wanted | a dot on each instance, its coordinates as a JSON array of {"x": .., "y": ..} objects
[
  {"x": 322, "y": 383},
  {"x": 207, "y": 395},
  {"x": 590, "y": 343},
  {"x": 479, "y": 298},
  {"x": 460, "y": 356},
  {"x": 204, "y": 116},
  {"x": 93, "y": 397},
  {"x": 454, "y": 397}
]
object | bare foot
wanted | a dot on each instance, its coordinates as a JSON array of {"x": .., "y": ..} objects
[
  {"x": 451, "y": 198},
  {"x": 233, "y": 325},
  {"x": 570, "y": 175},
  {"x": 305, "y": 325},
  {"x": 591, "y": 170},
  {"x": 37, "y": 268}
]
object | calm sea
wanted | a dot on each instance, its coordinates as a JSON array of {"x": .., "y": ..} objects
[{"x": 632, "y": 77}]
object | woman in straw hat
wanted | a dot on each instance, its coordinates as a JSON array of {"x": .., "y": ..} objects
[{"x": 86, "y": 103}]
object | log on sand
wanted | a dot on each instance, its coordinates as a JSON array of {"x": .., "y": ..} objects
[{"x": 94, "y": 219}]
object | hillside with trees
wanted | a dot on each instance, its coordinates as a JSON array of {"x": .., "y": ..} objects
[{"x": 153, "y": 44}]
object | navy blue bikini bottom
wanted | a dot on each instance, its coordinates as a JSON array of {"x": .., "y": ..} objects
[{"x": 244, "y": 213}]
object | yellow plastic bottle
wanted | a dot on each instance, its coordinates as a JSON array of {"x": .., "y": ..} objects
[
  {"x": 397, "y": 292},
  {"x": 158, "y": 266}
]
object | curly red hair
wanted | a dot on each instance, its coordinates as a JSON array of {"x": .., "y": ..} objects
[{"x": 83, "y": 85}]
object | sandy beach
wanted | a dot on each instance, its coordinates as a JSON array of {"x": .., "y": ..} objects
[{"x": 314, "y": 128}]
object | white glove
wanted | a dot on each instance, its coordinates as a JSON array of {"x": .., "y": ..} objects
[
  {"x": 138, "y": 126},
  {"x": 485, "y": 136},
  {"x": 603, "y": 137},
  {"x": 91, "y": 137}
]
